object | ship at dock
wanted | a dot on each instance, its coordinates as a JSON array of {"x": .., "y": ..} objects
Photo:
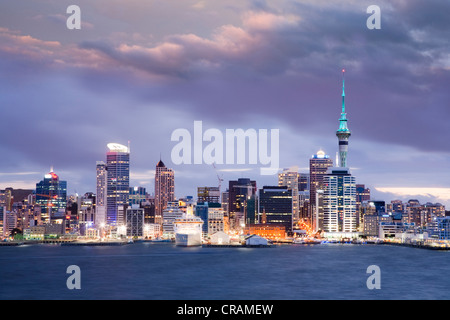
[{"x": 188, "y": 230}]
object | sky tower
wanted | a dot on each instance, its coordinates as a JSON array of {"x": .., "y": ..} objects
[{"x": 343, "y": 133}]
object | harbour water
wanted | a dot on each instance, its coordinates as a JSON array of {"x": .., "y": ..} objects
[{"x": 163, "y": 271}]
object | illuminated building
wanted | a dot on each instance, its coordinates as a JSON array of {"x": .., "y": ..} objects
[
  {"x": 100, "y": 197},
  {"x": 208, "y": 194},
  {"x": 51, "y": 196},
  {"x": 2, "y": 220},
  {"x": 343, "y": 133},
  {"x": 117, "y": 183},
  {"x": 290, "y": 178},
  {"x": 270, "y": 231},
  {"x": 164, "y": 189},
  {"x": 239, "y": 192},
  {"x": 275, "y": 206},
  {"x": 169, "y": 215},
  {"x": 318, "y": 166},
  {"x": 137, "y": 195},
  {"x": 362, "y": 194},
  {"x": 215, "y": 220},
  {"x": 339, "y": 201},
  {"x": 135, "y": 222}
]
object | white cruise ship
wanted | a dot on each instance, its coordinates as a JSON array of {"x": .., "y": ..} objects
[{"x": 188, "y": 230}]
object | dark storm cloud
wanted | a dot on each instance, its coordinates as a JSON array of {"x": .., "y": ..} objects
[
  {"x": 292, "y": 61},
  {"x": 277, "y": 65}
]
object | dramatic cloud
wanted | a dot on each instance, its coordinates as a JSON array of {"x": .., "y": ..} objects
[{"x": 137, "y": 71}]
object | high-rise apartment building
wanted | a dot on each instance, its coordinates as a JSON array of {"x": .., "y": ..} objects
[
  {"x": 117, "y": 183},
  {"x": 318, "y": 166},
  {"x": 100, "y": 196},
  {"x": 164, "y": 189},
  {"x": 339, "y": 201}
]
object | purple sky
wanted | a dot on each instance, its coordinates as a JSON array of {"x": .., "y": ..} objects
[{"x": 138, "y": 70}]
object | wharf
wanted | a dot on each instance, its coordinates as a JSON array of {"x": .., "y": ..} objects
[
  {"x": 10, "y": 243},
  {"x": 94, "y": 243},
  {"x": 419, "y": 246}
]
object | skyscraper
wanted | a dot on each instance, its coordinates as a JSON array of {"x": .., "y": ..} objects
[
  {"x": 100, "y": 197},
  {"x": 164, "y": 189},
  {"x": 339, "y": 201},
  {"x": 343, "y": 133},
  {"x": 275, "y": 203},
  {"x": 117, "y": 183},
  {"x": 289, "y": 178},
  {"x": 318, "y": 166},
  {"x": 240, "y": 191},
  {"x": 51, "y": 195}
]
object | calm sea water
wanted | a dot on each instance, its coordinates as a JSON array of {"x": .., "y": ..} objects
[{"x": 162, "y": 271}]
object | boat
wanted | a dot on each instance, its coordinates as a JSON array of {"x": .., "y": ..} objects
[
  {"x": 188, "y": 230},
  {"x": 302, "y": 240}
]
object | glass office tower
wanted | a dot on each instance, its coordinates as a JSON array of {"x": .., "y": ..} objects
[
  {"x": 118, "y": 182},
  {"x": 51, "y": 195}
]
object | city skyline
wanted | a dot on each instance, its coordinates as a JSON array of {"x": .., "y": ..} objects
[{"x": 219, "y": 63}]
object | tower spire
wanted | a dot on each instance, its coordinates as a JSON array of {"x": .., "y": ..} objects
[
  {"x": 343, "y": 91},
  {"x": 343, "y": 133}
]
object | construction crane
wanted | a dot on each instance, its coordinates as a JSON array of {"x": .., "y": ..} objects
[{"x": 218, "y": 177}]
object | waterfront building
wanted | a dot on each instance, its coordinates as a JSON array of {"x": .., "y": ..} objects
[
  {"x": 239, "y": 192},
  {"x": 339, "y": 201},
  {"x": 270, "y": 231},
  {"x": 164, "y": 189},
  {"x": 219, "y": 238},
  {"x": 255, "y": 240},
  {"x": 275, "y": 206},
  {"x": 135, "y": 222},
  {"x": 396, "y": 229},
  {"x": 215, "y": 220},
  {"x": 118, "y": 183},
  {"x": 152, "y": 231},
  {"x": 170, "y": 214},
  {"x": 443, "y": 228},
  {"x": 51, "y": 196}
]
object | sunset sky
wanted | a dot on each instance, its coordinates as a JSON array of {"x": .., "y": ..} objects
[{"x": 138, "y": 70}]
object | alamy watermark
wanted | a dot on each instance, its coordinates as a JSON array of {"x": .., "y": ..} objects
[
  {"x": 374, "y": 280},
  {"x": 374, "y": 21},
  {"x": 229, "y": 148},
  {"x": 74, "y": 280}
]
